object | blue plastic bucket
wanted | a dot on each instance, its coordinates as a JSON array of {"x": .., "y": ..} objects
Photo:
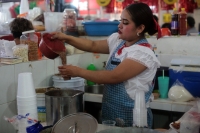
[{"x": 100, "y": 28}]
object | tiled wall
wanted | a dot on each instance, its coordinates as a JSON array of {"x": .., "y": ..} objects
[
  {"x": 176, "y": 47},
  {"x": 42, "y": 71}
]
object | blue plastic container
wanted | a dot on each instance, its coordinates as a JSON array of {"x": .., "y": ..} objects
[
  {"x": 93, "y": 28},
  {"x": 190, "y": 80}
]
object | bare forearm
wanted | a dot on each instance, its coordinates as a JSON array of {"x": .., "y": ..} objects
[
  {"x": 100, "y": 77},
  {"x": 80, "y": 43}
]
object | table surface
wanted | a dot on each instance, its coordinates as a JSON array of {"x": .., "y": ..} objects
[
  {"x": 99, "y": 128},
  {"x": 160, "y": 104}
]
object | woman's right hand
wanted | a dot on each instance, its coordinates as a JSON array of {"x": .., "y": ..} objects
[{"x": 58, "y": 35}]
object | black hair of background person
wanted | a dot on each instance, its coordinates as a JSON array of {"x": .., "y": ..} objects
[
  {"x": 166, "y": 25},
  {"x": 199, "y": 27},
  {"x": 19, "y": 25},
  {"x": 155, "y": 17},
  {"x": 190, "y": 21}
]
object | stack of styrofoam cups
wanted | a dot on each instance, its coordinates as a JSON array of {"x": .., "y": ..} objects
[
  {"x": 140, "y": 111},
  {"x": 24, "y": 6},
  {"x": 26, "y": 99}
]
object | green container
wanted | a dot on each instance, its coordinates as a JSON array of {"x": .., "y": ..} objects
[
  {"x": 92, "y": 68},
  {"x": 163, "y": 85}
]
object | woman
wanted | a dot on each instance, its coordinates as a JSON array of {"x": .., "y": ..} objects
[
  {"x": 19, "y": 25},
  {"x": 131, "y": 65}
]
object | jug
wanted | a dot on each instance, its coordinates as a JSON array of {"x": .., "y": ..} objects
[{"x": 51, "y": 47}]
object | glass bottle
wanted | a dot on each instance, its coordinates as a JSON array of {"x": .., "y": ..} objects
[
  {"x": 69, "y": 22},
  {"x": 174, "y": 23}
]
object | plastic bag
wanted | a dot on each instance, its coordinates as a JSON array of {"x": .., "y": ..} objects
[
  {"x": 24, "y": 123},
  {"x": 8, "y": 48},
  {"x": 36, "y": 128},
  {"x": 19, "y": 121},
  {"x": 190, "y": 121},
  {"x": 2, "y": 48},
  {"x": 178, "y": 93},
  {"x": 13, "y": 120},
  {"x": 21, "y": 51}
]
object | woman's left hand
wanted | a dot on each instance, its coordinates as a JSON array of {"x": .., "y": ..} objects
[{"x": 69, "y": 71}]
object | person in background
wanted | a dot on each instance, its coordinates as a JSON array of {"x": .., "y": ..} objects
[
  {"x": 131, "y": 66},
  {"x": 166, "y": 25},
  {"x": 19, "y": 25},
  {"x": 190, "y": 25},
  {"x": 156, "y": 18}
]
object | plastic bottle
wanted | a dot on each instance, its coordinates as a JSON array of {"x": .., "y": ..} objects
[
  {"x": 92, "y": 68},
  {"x": 174, "y": 23},
  {"x": 24, "y": 6},
  {"x": 39, "y": 39},
  {"x": 182, "y": 22},
  {"x": 31, "y": 39}
]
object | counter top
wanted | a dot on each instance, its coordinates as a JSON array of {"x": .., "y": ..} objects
[
  {"x": 99, "y": 128},
  {"x": 160, "y": 104}
]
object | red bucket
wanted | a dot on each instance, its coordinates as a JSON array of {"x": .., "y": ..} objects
[{"x": 51, "y": 47}]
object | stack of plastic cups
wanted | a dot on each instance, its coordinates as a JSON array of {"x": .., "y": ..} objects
[
  {"x": 24, "y": 6},
  {"x": 140, "y": 111},
  {"x": 26, "y": 99}
]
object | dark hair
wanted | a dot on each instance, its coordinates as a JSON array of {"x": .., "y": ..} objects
[
  {"x": 190, "y": 21},
  {"x": 155, "y": 17},
  {"x": 166, "y": 25},
  {"x": 142, "y": 14},
  {"x": 19, "y": 25}
]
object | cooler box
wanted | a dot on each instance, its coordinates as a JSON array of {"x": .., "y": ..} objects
[{"x": 187, "y": 71}]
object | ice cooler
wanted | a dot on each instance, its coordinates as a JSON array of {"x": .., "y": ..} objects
[{"x": 187, "y": 71}]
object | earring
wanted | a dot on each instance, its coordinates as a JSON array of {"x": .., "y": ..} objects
[{"x": 138, "y": 34}]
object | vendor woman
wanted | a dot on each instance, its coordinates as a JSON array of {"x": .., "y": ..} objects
[{"x": 131, "y": 66}]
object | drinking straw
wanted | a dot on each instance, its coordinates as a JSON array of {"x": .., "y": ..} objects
[{"x": 163, "y": 72}]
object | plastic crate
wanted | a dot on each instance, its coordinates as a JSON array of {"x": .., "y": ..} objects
[{"x": 100, "y": 28}]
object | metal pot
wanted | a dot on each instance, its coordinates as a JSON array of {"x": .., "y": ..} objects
[{"x": 60, "y": 103}]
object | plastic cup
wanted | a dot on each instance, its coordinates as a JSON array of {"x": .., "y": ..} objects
[
  {"x": 32, "y": 114},
  {"x": 163, "y": 86},
  {"x": 140, "y": 100},
  {"x": 23, "y": 103},
  {"x": 140, "y": 117},
  {"x": 26, "y": 101},
  {"x": 24, "y": 112},
  {"x": 25, "y": 85},
  {"x": 27, "y": 106}
]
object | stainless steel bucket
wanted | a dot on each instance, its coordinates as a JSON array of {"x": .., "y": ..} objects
[{"x": 60, "y": 103}]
